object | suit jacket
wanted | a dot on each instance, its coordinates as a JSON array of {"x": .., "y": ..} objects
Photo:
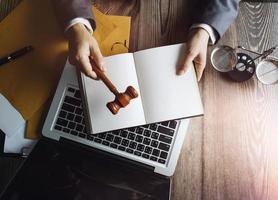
[
  {"x": 67, "y": 10},
  {"x": 219, "y": 14}
]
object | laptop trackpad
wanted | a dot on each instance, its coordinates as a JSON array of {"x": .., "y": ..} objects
[{"x": 55, "y": 171}]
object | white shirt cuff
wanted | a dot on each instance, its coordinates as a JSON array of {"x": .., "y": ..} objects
[
  {"x": 209, "y": 29},
  {"x": 81, "y": 20}
]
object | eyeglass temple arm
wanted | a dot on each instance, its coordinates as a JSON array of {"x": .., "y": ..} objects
[
  {"x": 264, "y": 54},
  {"x": 269, "y": 51},
  {"x": 241, "y": 47}
]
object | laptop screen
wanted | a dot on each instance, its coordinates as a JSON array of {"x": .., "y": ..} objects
[{"x": 62, "y": 171}]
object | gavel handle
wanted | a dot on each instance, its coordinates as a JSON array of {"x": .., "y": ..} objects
[{"x": 104, "y": 78}]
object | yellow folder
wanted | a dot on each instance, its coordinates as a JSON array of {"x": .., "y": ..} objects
[{"x": 30, "y": 81}]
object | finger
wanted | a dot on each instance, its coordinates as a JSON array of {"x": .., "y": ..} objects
[
  {"x": 86, "y": 67},
  {"x": 200, "y": 64},
  {"x": 199, "y": 67},
  {"x": 97, "y": 56},
  {"x": 187, "y": 62}
]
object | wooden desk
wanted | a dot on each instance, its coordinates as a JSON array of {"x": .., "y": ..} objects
[{"x": 231, "y": 152}]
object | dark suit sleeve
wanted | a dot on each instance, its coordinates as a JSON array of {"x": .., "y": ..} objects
[
  {"x": 66, "y": 10},
  {"x": 219, "y": 14}
]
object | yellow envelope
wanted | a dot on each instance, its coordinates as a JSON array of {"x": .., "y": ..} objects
[
  {"x": 109, "y": 37},
  {"x": 30, "y": 81}
]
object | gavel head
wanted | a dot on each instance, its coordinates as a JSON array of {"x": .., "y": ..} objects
[{"x": 122, "y": 100}]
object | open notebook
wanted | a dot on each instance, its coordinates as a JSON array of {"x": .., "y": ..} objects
[{"x": 162, "y": 94}]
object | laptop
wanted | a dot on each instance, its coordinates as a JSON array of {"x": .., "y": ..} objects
[
  {"x": 152, "y": 149},
  {"x": 154, "y": 145}
]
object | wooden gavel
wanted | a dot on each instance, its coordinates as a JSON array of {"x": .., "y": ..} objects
[{"x": 121, "y": 99}]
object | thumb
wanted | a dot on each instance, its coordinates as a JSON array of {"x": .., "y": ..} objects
[
  {"x": 96, "y": 55},
  {"x": 199, "y": 67},
  {"x": 186, "y": 63}
]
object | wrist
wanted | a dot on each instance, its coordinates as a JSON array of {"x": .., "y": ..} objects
[
  {"x": 200, "y": 33},
  {"x": 74, "y": 29}
]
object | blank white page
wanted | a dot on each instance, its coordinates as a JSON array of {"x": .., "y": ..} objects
[
  {"x": 165, "y": 95},
  {"x": 121, "y": 71}
]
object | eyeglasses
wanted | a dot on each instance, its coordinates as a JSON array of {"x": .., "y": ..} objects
[{"x": 240, "y": 66}]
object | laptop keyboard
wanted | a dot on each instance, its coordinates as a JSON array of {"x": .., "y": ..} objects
[{"x": 152, "y": 141}]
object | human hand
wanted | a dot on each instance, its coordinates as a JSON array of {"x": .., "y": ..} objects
[
  {"x": 196, "y": 52},
  {"x": 83, "y": 47}
]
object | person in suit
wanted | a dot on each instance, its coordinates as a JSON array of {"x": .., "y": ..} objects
[{"x": 78, "y": 22}]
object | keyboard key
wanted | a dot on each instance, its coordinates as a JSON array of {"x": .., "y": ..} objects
[
  {"x": 97, "y": 140},
  {"x": 129, "y": 150},
  {"x": 155, "y": 152},
  {"x": 165, "y": 123},
  {"x": 72, "y": 90},
  {"x": 123, "y": 134},
  {"x": 82, "y": 135},
  {"x": 66, "y": 130},
  {"x": 139, "y": 138},
  {"x": 164, "y": 146},
  {"x": 113, "y": 145},
  {"x": 132, "y": 145},
  {"x": 132, "y": 129},
  {"x": 70, "y": 116},
  {"x": 153, "y": 127},
  {"x": 163, "y": 154},
  {"x": 139, "y": 130},
  {"x": 85, "y": 130},
  {"x": 154, "y": 143},
  {"x": 173, "y": 124},
  {"x": 72, "y": 132},
  {"x": 78, "y": 111},
  {"x": 77, "y": 94},
  {"x": 165, "y": 138},
  {"x": 101, "y": 135},
  {"x": 90, "y": 137},
  {"x": 146, "y": 141},
  {"x": 68, "y": 107},
  {"x": 131, "y": 136},
  {"x": 165, "y": 130},
  {"x": 62, "y": 114},
  {"x": 110, "y": 137},
  {"x": 72, "y": 101},
  {"x": 161, "y": 161},
  {"x": 59, "y": 128},
  {"x": 105, "y": 143},
  {"x": 137, "y": 153},
  {"x": 61, "y": 122},
  {"x": 117, "y": 140},
  {"x": 79, "y": 127},
  {"x": 140, "y": 147},
  {"x": 155, "y": 135},
  {"x": 71, "y": 125},
  {"x": 147, "y": 133},
  {"x": 153, "y": 158},
  {"x": 148, "y": 150},
  {"x": 125, "y": 142},
  {"x": 145, "y": 156},
  {"x": 121, "y": 148},
  {"x": 117, "y": 132},
  {"x": 78, "y": 119}
]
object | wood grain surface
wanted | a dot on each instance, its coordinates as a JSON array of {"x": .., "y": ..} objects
[
  {"x": 6, "y": 6},
  {"x": 231, "y": 152}
]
